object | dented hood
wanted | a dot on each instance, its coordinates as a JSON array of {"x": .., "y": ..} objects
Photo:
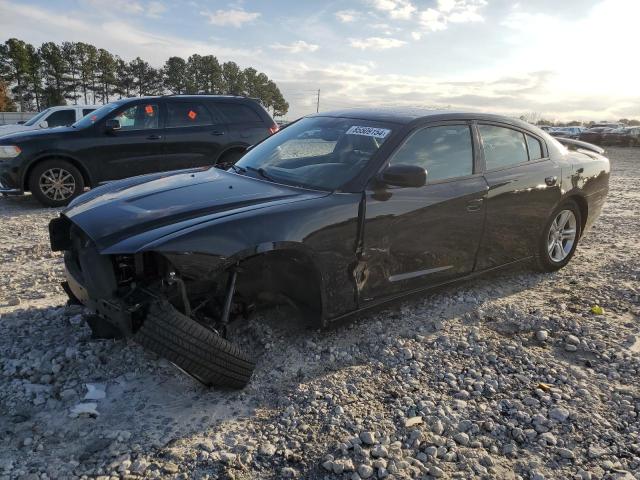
[{"x": 152, "y": 206}]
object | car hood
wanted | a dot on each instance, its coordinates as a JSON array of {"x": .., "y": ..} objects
[
  {"x": 127, "y": 215},
  {"x": 9, "y": 129},
  {"x": 28, "y": 133}
]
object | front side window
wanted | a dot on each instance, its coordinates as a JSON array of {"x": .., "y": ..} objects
[
  {"x": 61, "y": 118},
  {"x": 38, "y": 118},
  {"x": 502, "y": 146},
  {"x": 142, "y": 116},
  {"x": 187, "y": 115},
  {"x": 87, "y": 111},
  {"x": 316, "y": 152},
  {"x": 444, "y": 152}
]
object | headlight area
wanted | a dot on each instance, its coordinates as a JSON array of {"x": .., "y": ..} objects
[{"x": 9, "y": 151}]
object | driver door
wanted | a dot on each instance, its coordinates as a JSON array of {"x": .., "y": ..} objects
[{"x": 419, "y": 237}]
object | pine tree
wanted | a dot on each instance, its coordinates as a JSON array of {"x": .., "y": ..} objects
[
  {"x": 106, "y": 74},
  {"x": 233, "y": 79},
  {"x": 55, "y": 70},
  {"x": 174, "y": 75}
]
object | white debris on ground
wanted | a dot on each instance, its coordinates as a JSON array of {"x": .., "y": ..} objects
[{"x": 514, "y": 375}]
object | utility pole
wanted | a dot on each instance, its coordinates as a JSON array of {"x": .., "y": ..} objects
[{"x": 318, "y": 102}]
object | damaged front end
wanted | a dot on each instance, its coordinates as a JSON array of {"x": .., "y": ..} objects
[{"x": 180, "y": 313}]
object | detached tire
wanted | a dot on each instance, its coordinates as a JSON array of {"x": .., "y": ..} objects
[
  {"x": 55, "y": 183},
  {"x": 195, "y": 349},
  {"x": 560, "y": 237}
]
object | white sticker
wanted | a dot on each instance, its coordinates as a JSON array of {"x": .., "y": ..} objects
[{"x": 369, "y": 131}]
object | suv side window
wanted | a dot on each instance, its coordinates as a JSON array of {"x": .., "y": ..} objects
[
  {"x": 503, "y": 147},
  {"x": 61, "y": 118},
  {"x": 142, "y": 116},
  {"x": 187, "y": 114},
  {"x": 87, "y": 111},
  {"x": 443, "y": 151},
  {"x": 237, "y": 113},
  {"x": 535, "y": 149}
]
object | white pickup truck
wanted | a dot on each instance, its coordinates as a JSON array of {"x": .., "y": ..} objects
[{"x": 62, "y": 116}]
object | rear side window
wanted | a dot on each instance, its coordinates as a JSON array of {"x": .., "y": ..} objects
[
  {"x": 535, "y": 148},
  {"x": 444, "y": 152},
  {"x": 502, "y": 146},
  {"x": 236, "y": 113},
  {"x": 61, "y": 118},
  {"x": 87, "y": 111},
  {"x": 187, "y": 115}
]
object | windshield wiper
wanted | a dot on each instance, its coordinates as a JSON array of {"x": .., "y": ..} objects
[
  {"x": 262, "y": 173},
  {"x": 238, "y": 169}
]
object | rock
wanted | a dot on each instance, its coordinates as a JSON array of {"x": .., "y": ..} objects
[
  {"x": 95, "y": 391},
  {"x": 412, "y": 422},
  {"x": 596, "y": 452},
  {"x": 368, "y": 438},
  {"x": 559, "y": 414},
  {"x": 84, "y": 409},
  {"x": 542, "y": 335},
  {"x": 228, "y": 457},
  {"x": 435, "y": 471},
  {"x": 565, "y": 453},
  {"x": 379, "y": 451},
  {"x": 289, "y": 472},
  {"x": 572, "y": 340},
  {"x": 170, "y": 467},
  {"x": 267, "y": 449},
  {"x": 13, "y": 301},
  {"x": 461, "y": 438},
  {"x": 365, "y": 471}
]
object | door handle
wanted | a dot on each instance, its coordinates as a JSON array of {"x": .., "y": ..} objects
[
  {"x": 217, "y": 133},
  {"x": 154, "y": 137},
  {"x": 551, "y": 181},
  {"x": 474, "y": 205}
]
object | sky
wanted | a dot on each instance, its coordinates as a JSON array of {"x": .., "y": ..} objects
[{"x": 559, "y": 59}]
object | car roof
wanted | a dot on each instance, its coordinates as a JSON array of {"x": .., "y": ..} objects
[
  {"x": 62, "y": 107},
  {"x": 410, "y": 114},
  {"x": 188, "y": 97}
]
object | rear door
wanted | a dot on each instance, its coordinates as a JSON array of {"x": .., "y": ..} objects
[
  {"x": 136, "y": 148},
  {"x": 195, "y": 135},
  {"x": 420, "y": 237},
  {"x": 524, "y": 187}
]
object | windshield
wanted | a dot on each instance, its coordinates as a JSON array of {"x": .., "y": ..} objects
[
  {"x": 96, "y": 115},
  {"x": 316, "y": 152},
  {"x": 33, "y": 120}
]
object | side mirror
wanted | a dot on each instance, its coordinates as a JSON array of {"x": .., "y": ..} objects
[
  {"x": 112, "y": 125},
  {"x": 404, "y": 176},
  {"x": 43, "y": 124}
]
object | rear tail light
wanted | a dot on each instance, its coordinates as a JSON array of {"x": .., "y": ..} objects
[{"x": 274, "y": 128}]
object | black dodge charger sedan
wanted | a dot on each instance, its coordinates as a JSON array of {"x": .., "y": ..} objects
[
  {"x": 339, "y": 212},
  {"x": 129, "y": 137}
]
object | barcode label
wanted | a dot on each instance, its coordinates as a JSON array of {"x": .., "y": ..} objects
[{"x": 368, "y": 131}]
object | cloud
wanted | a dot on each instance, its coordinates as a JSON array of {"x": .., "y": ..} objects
[
  {"x": 296, "y": 47},
  {"x": 451, "y": 11},
  {"x": 347, "y": 16},
  {"x": 376, "y": 43},
  {"x": 236, "y": 17},
  {"x": 152, "y": 8},
  {"x": 396, "y": 9}
]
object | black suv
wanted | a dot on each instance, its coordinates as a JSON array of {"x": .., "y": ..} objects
[{"x": 133, "y": 136}]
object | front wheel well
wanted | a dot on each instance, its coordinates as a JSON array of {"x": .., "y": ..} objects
[
  {"x": 277, "y": 276},
  {"x": 75, "y": 163}
]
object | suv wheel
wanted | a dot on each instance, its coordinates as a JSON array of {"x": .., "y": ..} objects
[{"x": 55, "y": 182}]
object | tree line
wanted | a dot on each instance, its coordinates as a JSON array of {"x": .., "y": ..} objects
[{"x": 36, "y": 78}]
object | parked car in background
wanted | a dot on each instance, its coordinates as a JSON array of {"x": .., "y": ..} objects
[
  {"x": 131, "y": 137},
  {"x": 63, "y": 116},
  {"x": 624, "y": 137},
  {"x": 338, "y": 213},
  {"x": 567, "y": 132},
  {"x": 594, "y": 135}
]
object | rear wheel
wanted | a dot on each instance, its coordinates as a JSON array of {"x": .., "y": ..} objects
[
  {"x": 560, "y": 237},
  {"x": 193, "y": 348},
  {"x": 55, "y": 183}
]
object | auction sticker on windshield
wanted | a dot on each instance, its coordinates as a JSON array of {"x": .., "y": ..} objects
[{"x": 369, "y": 131}]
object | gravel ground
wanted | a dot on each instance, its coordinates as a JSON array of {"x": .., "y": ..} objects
[{"x": 507, "y": 376}]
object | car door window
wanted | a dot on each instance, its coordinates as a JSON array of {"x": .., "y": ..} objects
[
  {"x": 443, "y": 151},
  {"x": 187, "y": 115},
  {"x": 535, "y": 148},
  {"x": 61, "y": 118},
  {"x": 87, "y": 111},
  {"x": 143, "y": 116},
  {"x": 503, "y": 146},
  {"x": 236, "y": 113}
]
